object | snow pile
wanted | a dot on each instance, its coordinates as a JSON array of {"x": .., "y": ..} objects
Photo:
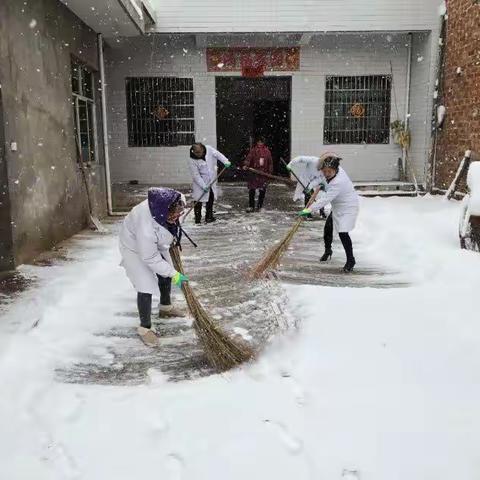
[
  {"x": 376, "y": 384},
  {"x": 473, "y": 182}
]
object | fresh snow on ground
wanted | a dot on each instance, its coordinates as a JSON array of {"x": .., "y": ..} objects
[{"x": 382, "y": 382}]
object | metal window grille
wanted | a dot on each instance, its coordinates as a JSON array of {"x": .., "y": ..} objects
[
  {"x": 84, "y": 112},
  {"x": 160, "y": 111},
  {"x": 357, "y": 109}
]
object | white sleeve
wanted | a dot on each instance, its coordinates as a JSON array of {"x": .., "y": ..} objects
[
  {"x": 196, "y": 175},
  {"x": 219, "y": 156},
  {"x": 150, "y": 255},
  {"x": 333, "y": 190}
]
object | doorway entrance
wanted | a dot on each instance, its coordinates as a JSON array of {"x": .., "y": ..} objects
[
  {"x": 247, "y": 108},
  {"x": 6, "y": 240}
]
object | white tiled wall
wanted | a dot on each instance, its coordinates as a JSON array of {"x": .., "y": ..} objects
[
  {"x": 294, "y": 15},
  {"x": 327, "y": 55}
]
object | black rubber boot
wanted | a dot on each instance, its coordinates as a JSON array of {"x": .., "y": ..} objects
[
  {"x": 327, "y": 239},
  {"x": 261, "y": 198},
  {"x": 144, "y": 304},
  {"x": 197, "y": 209}
]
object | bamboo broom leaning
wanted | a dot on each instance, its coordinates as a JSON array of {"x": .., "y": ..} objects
[
  {"x": 272, "y": 258},
  {"x": 222, "y": 351}
]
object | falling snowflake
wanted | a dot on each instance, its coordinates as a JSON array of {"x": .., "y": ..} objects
[{"x": 33, "y": 23}]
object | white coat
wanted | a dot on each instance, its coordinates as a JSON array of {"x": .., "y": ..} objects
[
  {"x": 144, "y": 246},
  {"x": 306, "y": 169},
  {"x": 204, "y": 172},
  {"x": 341, "y": 194}
]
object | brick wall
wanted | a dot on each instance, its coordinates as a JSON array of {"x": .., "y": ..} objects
[{"x": 460, "y": 92}]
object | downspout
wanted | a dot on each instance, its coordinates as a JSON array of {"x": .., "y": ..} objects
[
  {"x": 439, "y": 71},
  {"x": 407, "y": 100},
  {"x": 108, "y": 180}
]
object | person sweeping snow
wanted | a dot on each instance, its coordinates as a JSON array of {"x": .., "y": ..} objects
[
  {"x": 307, "y": 172},
  {"x": 341, "y": 194},
  {"x": 259, "y": 158},
  {"x": 203, "y": 166},
  {"x": 146, "y": 235}
]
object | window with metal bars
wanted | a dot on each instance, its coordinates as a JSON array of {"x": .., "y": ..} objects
[
  {"x": 160, "y": 111},
  {"x": 357, "y": 109}
]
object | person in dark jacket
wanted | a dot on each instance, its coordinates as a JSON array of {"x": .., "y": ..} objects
[{"x": 259, "y": 158}]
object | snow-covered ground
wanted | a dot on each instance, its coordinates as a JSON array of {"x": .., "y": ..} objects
[{"x": 375, "y": 383}]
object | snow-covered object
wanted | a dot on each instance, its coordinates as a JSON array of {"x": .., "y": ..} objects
[
  {"x": 458, "y": 71},
  {"x": 144, "y": 246},
  {"x": 344, "y": 200},
  {"x": 306, "y": 169},
  {"x": 473, "y": 182},
  {"x": 441, "y": 112},
  {"x": 204, "y": 172}
]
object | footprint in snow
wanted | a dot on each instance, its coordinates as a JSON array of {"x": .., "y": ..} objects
[
  {"x": 350, "y": 475},
  {"x": 291, "y": 443},
  {"x": 175, "y": 466}
]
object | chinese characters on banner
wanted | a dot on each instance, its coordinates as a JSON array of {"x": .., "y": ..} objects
[{"x": 253, "y": 62}]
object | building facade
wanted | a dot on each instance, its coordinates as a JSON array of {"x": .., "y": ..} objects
[
  {"x": 51, "y": 132},
  {"x": 458, "y": 91},
  {"x": 310, "y": 76}
]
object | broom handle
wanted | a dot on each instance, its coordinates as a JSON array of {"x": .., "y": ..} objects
[
  {"x": 209, "y": 187},
  {"x": 313, "y": 197},
  {"x": 269, "y": 175}
]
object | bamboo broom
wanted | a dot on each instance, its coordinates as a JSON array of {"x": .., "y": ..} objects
[
  {"x": 272, "y": 258},
  {"x": 222, "y": 352},
  {"x": 272, "y": 177}
]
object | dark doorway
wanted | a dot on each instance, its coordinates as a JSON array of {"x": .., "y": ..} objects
[
  {"x": 248, "y": 107},
  {"x": 6, "y": 243}
]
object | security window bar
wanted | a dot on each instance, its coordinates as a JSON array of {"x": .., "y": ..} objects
[
  {"x": 357, "y": 110},
  {"x": 84, "y": 113},
  {"x": 160, "y": 111}
]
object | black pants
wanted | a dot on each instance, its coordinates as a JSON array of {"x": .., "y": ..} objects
[
  {"x": 261, "y": 197},
  {"x": 198, "y": 208},
  {"x": 144, "y": 300},
  {"x": 344, "y": 238}
]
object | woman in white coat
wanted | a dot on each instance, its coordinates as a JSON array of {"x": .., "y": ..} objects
[
  {"x": 341, "y": 194},
  {"x": 307, "y": 172},
  {"x": 146, "y": 235},
  {"x": 203, "y": 166}
]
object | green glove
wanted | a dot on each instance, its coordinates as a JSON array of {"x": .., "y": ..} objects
[
  {"x": 228, "y": 164},
  {"x": 308, "y": 191},
  {"x": 179, "y": 278},
  {"x": 206, "y": 189},
  {"x": 288, "y": 167},
  {"x": 305, "y": 212}
]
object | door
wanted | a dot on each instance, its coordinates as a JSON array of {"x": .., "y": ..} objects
[{"x": 252, "y": 107}]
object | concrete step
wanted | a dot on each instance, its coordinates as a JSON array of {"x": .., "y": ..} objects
[{"x": 385, "y": 189}]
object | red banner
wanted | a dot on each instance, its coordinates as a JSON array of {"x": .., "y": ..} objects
[{"x": 253, "y": 61}]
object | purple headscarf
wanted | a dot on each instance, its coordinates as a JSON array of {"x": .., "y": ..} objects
[{"x": 159, "y": 202}]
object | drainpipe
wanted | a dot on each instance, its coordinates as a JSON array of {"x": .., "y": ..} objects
[
  {"x": 108, "y": 180},
  {"x": 407, "y": 100}
]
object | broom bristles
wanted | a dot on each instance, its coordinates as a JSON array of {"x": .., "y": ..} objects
[
  {"x": 272, "y": 258},
  {"x": 222, "y": 352}
]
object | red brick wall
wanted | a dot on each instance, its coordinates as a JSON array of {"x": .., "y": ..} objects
[{"x": 459, "y": 93}]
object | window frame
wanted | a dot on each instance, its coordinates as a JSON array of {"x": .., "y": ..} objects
[
  {"x": 365, "y": 98},
  {"x": 146, "y": 93}
]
